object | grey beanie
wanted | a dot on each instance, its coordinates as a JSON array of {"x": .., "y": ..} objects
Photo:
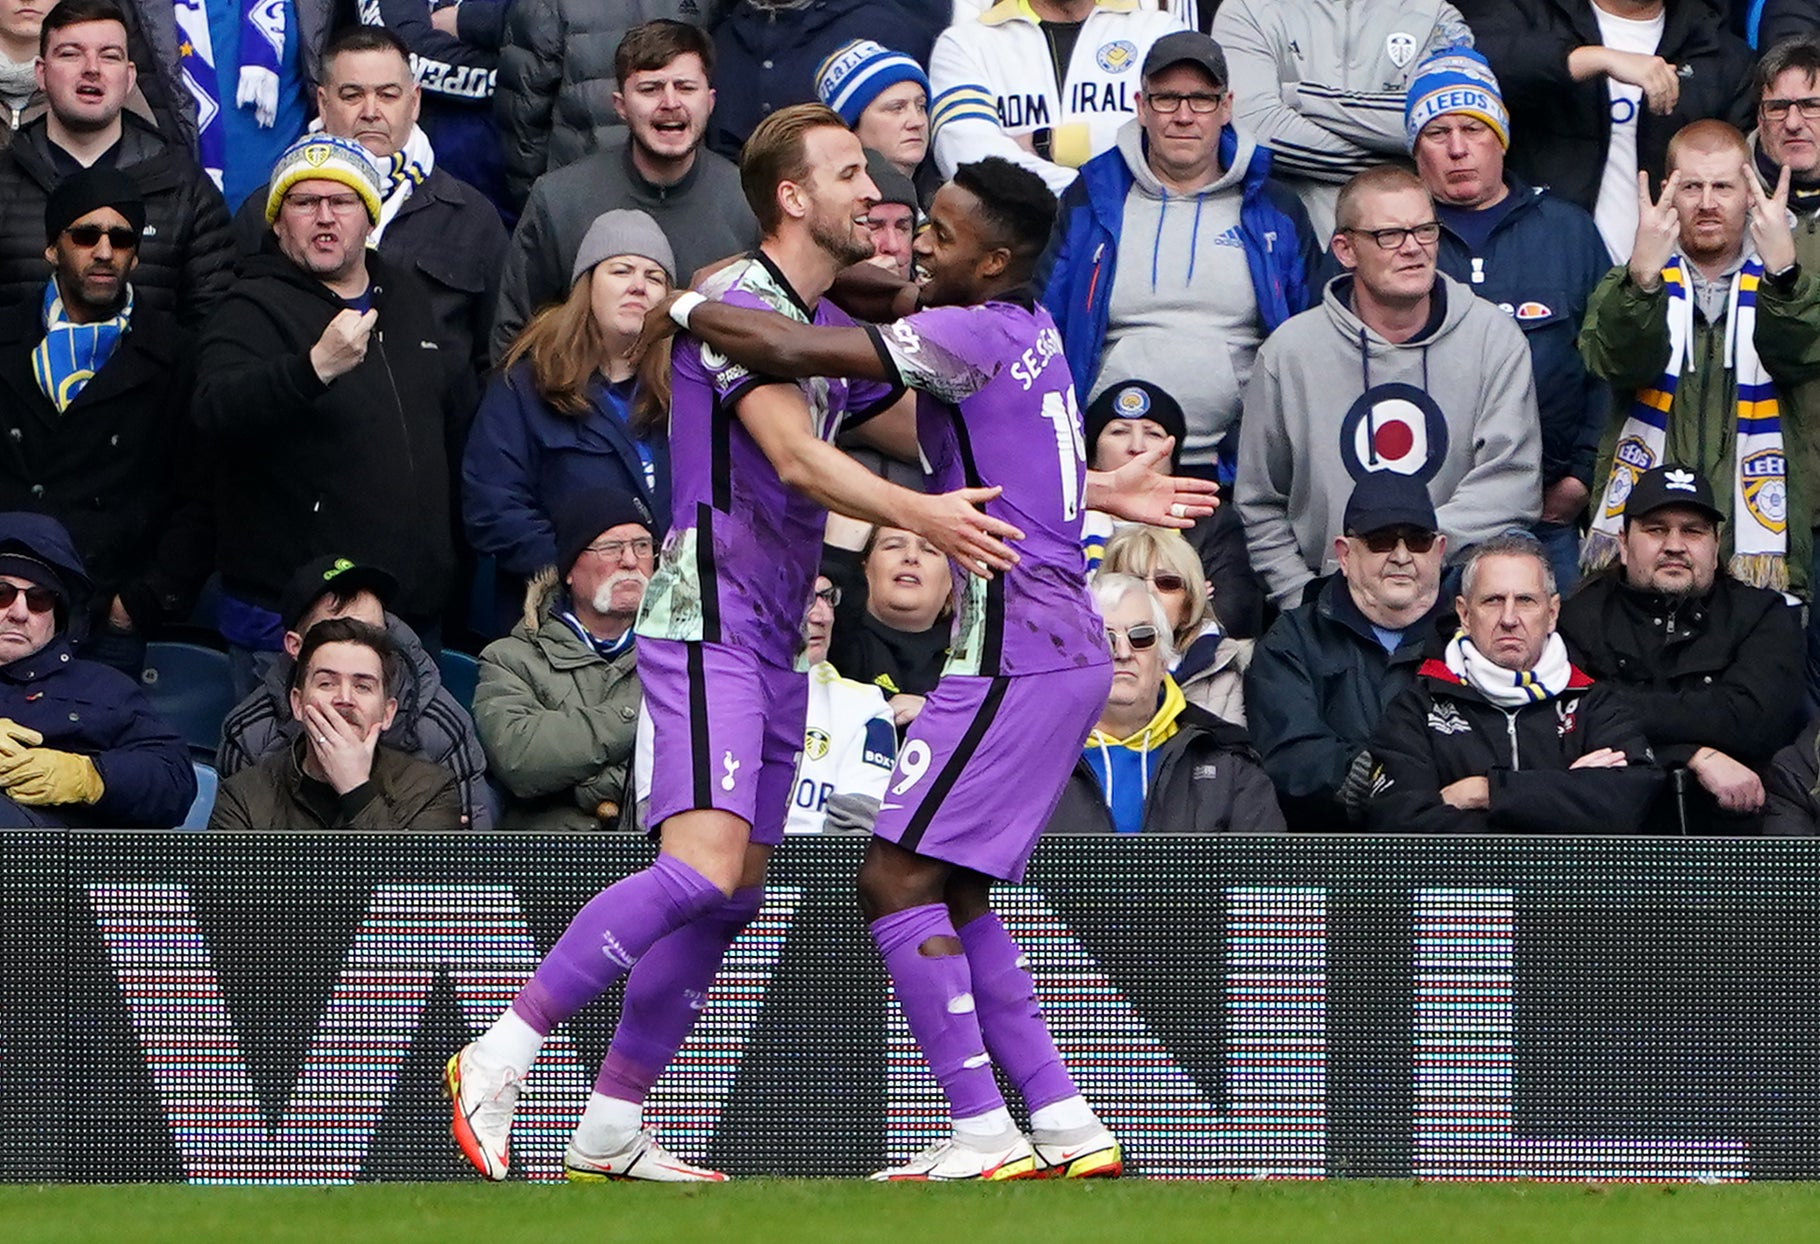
[
  {"x": 623, "y": 231},
  {"x": 893, "y": 186}
]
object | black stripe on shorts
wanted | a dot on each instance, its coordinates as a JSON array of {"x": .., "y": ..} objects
[
  {"x": 951, "y": 772},
  {"x": 699, "y": 763}
]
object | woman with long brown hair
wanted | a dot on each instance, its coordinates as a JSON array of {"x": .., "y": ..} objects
[{"x": 568, "y": 411}]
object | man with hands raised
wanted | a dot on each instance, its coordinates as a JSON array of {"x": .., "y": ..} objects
[
  {"x": 1704, "y": 337},
  {"x": 321, "y": 381},
  {"x": 337, "y": 775}
]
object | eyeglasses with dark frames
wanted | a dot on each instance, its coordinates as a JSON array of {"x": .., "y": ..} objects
[
  {"x": 1777, "y": 109},
  {"x": 1427, "y": 234},
  {"x": 1201, "y": 102}
]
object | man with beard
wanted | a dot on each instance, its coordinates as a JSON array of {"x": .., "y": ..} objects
[
  {"x": 983, "y": 766},
  {"x": 752, "y": 476},
  {"x": 557, "y": 705},
  {"x": 659, "y": 167},
  {"x": 338, "y": 776},
  {"x": 1710, "y": 666},
  {"x": 1704, "y": 338},
  {"x": 331, "y": 405},
  {"x": 94, "y": 419}
]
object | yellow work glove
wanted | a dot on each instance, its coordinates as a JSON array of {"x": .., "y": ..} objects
[
  {"x": 15, "y": 738},
  {"x": 44, "y": 776}
]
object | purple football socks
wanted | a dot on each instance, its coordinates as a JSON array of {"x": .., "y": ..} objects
[
  {"x": 1009, "y": 1018},
  {"x": 936, "y": 994}
]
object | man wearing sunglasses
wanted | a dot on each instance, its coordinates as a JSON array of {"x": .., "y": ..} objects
[
  {"x": 1401, "y": 368},
  {"x": 1321, "y": 676},
  {"x": 80, "y": 745},
  {"x": 1501, "y": 734},
  {"x": 94, "y": 418},
  {"x": 84, "y": 68}
]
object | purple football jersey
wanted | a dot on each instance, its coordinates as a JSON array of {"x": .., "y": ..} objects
[
  {"x": 996, "y": 406},
  {"x": 739, "y": 564}
]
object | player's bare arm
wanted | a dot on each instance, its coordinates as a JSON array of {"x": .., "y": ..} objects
[
  {"x": 774, "y": 344},
  {"x": 1140, "y": 492},
  {"x": 778, "y": 421}
]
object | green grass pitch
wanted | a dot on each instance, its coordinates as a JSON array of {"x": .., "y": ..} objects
[{"x": 759, "y": 1211}]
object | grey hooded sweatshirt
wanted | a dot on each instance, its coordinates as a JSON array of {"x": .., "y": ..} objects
[
  {"x": 1330, "y": 400},
  {"x": 1183, "y": 313}
]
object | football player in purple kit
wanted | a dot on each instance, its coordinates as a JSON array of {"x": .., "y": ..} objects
[
  {"x": 982, "y": 767},
  {"x": 718, "y": 636}
]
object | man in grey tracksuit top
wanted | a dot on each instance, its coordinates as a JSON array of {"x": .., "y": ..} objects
[
  {"x": 1400, "y": 368},
  {"x": 1322, "y": 82}
]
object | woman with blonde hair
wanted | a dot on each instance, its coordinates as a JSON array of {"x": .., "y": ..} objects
[
  {"x": 568, "y": 412},
  {"x": 1209, "y": 665}
]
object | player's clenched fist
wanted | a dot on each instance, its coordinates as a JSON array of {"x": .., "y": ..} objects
[{"x": 343, "y": 344}]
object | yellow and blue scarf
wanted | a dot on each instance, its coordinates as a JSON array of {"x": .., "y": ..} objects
[
  {"x": 1759, "y": 464},
  {"x": 71, "y": 353}
]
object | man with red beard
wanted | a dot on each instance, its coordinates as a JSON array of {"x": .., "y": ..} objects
[{"x": 331, "y": 404}]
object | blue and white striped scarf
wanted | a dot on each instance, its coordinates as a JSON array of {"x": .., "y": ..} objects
[
  {"x": 262, "y": 28},
  {"x": 71, "y": 353}
]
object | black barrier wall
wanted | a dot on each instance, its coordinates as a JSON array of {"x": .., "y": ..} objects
[{"x": 278, "y": 1008}]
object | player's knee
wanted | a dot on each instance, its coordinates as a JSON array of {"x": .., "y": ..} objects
[{"x": 740, "y": 910}]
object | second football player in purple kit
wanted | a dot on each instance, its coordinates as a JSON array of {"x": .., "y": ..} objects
[{"x": 984, "y": 763}]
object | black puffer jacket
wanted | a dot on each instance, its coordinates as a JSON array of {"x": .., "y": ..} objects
[
  {"x": 121, "y": 468},
  {"x": 1441, "y": 730},
  {"x": 357, "y": 468},
  {"x": 186, "y": 258},
  {"x": 1559, "y": 128},
  {"x": 554, "y": 97}
]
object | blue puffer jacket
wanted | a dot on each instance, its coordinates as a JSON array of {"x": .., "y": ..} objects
[
  {"x": 1075, "y": 273},
  {"x": 523, "y": 457},
  {"x": 91, "y": 709},
  {"x": 1541, "y": 264}
]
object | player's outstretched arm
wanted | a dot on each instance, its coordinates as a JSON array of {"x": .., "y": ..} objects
[
  {"x": 779, "y": 422},
  {"x": 771, "y": 343},
  {"x": 1140, "y": 492}
]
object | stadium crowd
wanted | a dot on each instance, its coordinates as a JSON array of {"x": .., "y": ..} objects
[{"x": 1495, "y": 323}]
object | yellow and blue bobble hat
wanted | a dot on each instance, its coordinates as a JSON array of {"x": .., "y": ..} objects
[
  {"x": 1455, "y": 79},
  {"x": 858, "y": 72},
  {"x": 322, "y": 157}
]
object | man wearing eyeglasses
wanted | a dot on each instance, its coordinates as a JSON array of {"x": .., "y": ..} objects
[
  {"x": 1788, "y": 134},
  {"x": 557, "y": 705},
  {"x": 94, "y": 418},
  {"x": 332, "y": 404},
  {"x": 1322, "y": 674},
  {"x": 1178, "y": 236},
  {"x": 1399, "y": 369}
]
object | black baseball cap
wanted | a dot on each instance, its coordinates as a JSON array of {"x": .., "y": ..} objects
[
  {"x": 1187, "y": 47},
  {"x": 1389, "y": 499},
  {"x": 1672, "y": 483},
  {"x": 340, "y": 575}
]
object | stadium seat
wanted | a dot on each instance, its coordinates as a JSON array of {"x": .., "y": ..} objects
[
  {"x": 192, "y": 687},
  {"x": 207, "y": 783},
  {"x": 460, "y": 674}
]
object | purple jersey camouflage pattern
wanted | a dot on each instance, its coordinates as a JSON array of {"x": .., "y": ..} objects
[
  {"x": 996, "y": 406},
  {"x": 739, "y": 564}
]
